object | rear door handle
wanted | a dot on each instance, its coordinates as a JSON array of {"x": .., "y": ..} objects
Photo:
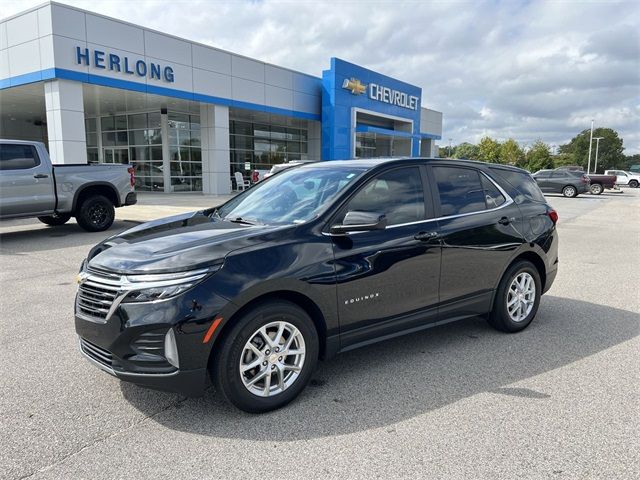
[
  {"x": 425, "y": 236},
  {"x": 505, "y": 220},
  {"x": 41, "y": 175}
]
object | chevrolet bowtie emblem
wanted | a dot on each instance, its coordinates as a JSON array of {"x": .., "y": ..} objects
[{"x": 355, "y": 85}]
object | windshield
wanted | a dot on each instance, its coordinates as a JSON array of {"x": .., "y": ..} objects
[{"x": 293, "y": 196}]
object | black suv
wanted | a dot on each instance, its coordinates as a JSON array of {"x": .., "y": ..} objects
[{"x": 316, "y": 260}]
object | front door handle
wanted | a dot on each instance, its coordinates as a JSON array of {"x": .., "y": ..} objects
[
  {"x": 425, "y": 236},
  {"x": 41, "y": 175},
  {"x": 506, "y": 220}
]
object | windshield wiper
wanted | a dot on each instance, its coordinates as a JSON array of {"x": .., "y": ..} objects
[{"x": 244, "y": 221}]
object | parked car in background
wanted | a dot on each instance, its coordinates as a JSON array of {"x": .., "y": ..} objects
[
  {"x": 635, "y": 169},
  {"x": 623, "y": 178},
  {"x": 320, "y": 259},
  {"x": 30, "y": 186},
  {"x": 567, "y": 182},
  {"x": 598, "y": 183},
  {"x": 283, "y": 166}
]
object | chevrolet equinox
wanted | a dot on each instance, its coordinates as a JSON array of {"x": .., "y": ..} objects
[{"x": 314, "y": 261}]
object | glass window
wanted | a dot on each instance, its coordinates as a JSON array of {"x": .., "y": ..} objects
[
  {"x": 138, "y": 121},
  {"x": 18, "y": 157},
  {"x": 121, "y": 122},
  {"x": 295, "y": 195},
  {"x": 195, "y": 122},
  {"x": 107, "y": 124},
  {"x": 108, "y": 139},
  {"x": 92, "y": 139},
  {"x": 397, "y": 193},
  {"x": 138, "y": 137},
  {"x": 139, "y": 153},
  {"x": 92, "y": 155},
  {"x": 522, "y": 182},
  {"x": 156, "y": 153},
  {"x": 459, "y": 189},
  {"x": 122, "y": 138},
  {"x": 90, "y": 124},
  {"x": 559, "y": 174},
  {"x": 154, "y": 120},
  {"x": 493, "y": 197},
  {"x": 542, "y": 174}
]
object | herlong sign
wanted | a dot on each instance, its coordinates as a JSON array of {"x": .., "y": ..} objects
[{"x": 117, "y": 63}]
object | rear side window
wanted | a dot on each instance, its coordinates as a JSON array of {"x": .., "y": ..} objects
[
  {"x": 492, "y": 195},
  {"x": 460, "y": 190},
  {"x": 17, "y": 157},
  {"x": 396, "y": 193},
  {"x": 522, "y": 182}
]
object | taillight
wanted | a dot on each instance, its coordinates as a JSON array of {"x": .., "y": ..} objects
[
  {"x": 553, "y": 215},
  {"x": 585, "y": 179},
  {"x": 132, "y": 176}
]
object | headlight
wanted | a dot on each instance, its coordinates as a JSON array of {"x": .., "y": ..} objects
[{"x": 147, "y": 288}]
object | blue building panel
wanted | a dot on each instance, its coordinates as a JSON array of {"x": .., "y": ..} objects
[{"x": 345, "y": 87}]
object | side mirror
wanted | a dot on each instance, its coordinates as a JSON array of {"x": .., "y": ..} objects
[{"x": 358, "y": 221}]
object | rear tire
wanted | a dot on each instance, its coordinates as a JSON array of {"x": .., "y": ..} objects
[
  {"x": 633, "y": 184},
  {"x": 514, "y": 308},
  {"x": 96, "y": 213},
  {"x": 570, "y": 191},
  {"x": 596, "y": 189},
  {"x": 234, "y": 351},
  {"x": 55, "y": 220}
]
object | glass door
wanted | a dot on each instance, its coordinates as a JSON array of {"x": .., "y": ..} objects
[{"x": 116, "y": 155}]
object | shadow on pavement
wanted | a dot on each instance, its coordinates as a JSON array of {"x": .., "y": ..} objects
[
  {"x": 399, "y": 379},
  {"x": 23, "y": 237}
]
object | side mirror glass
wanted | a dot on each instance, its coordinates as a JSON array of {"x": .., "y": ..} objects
[{"x": 359, "y": 221}]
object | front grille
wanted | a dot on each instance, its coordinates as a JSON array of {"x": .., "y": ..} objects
[
  {"x": 96, "y": 353},
  {"x": 95, "y": 299},
  {"x": 149, "y": 343}
]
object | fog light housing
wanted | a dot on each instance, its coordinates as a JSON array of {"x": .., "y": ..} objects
[{"x": 171, "y": 349}]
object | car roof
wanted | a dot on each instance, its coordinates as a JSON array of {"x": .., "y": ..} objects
[{"x": 370, "y": 163}]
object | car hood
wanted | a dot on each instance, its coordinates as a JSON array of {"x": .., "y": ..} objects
[{"x": 182, "y": 242}]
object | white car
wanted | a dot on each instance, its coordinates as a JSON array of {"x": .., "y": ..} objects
[{"x": 625, "y": 178}]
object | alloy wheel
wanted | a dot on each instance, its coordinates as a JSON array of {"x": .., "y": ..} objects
[
  {"x": 521, "y": 296},
  {"x": 98, "y": 214},
  {"x": 272, "y": 359}
]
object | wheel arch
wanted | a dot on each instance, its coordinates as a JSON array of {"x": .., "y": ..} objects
[
  {"x": 537, "y": 261},
  {"x": 297, "y": 298},
  {"x": 96, "y": 188}
]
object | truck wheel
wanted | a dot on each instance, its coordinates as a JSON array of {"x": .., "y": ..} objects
[
  {"x": 517, "y": 298},
  {"x": 267, "y": 357},
  {"x": 55, "y": 220},
  {"x": 596, "y": 189},
  {"x": 570, "y": 191},
  {"x": 96, "y": 213},
  {"x": 633, "y": 184}
]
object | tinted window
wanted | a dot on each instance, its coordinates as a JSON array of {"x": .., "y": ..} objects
[
  {"x": 460, "y": 190},
  {"x": 397, "y": 193},
  {"x": 559, "y": 174},
  {"x": 543, "y": 174},
  {"x": 523, "y": 182},
  {"x": 18, "y": 157},
  {"x": 492, "y": 195}
]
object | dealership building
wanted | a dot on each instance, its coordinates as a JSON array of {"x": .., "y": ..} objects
[{"x": 189, "y": 116}]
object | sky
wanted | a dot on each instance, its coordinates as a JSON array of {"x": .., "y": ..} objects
[{"x": 522, "y": 69}]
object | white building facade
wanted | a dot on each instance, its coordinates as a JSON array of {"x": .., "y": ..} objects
[{"x": 186, "y": 115}]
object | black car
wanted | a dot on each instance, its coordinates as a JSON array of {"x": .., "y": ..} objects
[
  {"x": 316, "y": 260},
  {"x": 569, "y": 183}
]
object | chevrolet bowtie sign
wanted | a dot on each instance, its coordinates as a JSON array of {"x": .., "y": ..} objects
[
  {"x": 355, "y": 85},
  {"x": 381, "y": 94}
]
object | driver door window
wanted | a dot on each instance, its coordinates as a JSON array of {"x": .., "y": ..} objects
[{"x": 397, "y": 193}]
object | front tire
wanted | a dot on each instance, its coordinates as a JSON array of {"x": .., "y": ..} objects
[
  {"x": 96, "y": 213},
  {"x": 570, "y": 191},
  {"x": 517, "y": 299},
  {"x": 55, "y": 220},
  {"x": 267, "y": 358},
  {"x": 595, "y": 189},
  {"x": 633, "y": 184}
]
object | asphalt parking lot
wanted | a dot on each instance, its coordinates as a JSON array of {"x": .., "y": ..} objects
[{"x": 559, "y": 400}]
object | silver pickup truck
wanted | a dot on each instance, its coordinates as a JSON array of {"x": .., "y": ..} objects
[{"x": 30, "y": 186}]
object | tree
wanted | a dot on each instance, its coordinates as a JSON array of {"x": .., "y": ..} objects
[
  {"x": 562, "y": 160},
  {"x": 609, "y": 152},
  {"x": 467, "y": 151},
  {"x": 511, "y": 153},
  {"x": 489, "y": 150},
  {"x": 539, "y": 157}
]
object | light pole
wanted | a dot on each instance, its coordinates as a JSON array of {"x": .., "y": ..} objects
[
  {"x": 590, "y": 142},
  {"x": 449, "y": 148},
  {"x": 597, "y": 139}
]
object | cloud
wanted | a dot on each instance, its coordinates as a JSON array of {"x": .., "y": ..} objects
[{"x": 525, "y": 69}]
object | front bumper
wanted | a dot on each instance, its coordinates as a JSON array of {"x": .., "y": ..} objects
[{"x": 129, "y": 343}]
